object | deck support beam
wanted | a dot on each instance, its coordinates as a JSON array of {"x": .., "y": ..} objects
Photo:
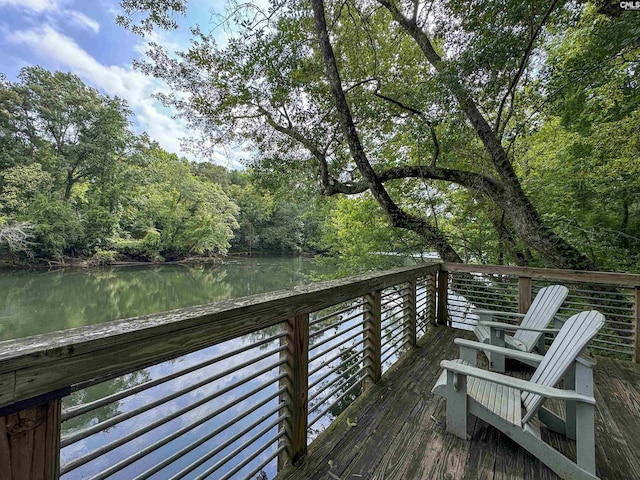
[
  {"x": 431, "y": 281},
  {"x": 443, "y": 297},
  {"x": 524, "y": 294},
  {"x": 410, "y": 311},
  {"x": 30, "y": 443},
  {"x": 297, "y": 384},
  {"x": 372, "y": 338},
  {"x": 636, "y": 321}
]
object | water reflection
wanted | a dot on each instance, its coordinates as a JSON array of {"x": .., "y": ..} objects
[{"x": 33, "y": 302}]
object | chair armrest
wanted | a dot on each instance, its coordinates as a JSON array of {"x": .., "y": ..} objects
[
  {"x": 496, "y": 312},
  {"x": 586, "y": 360},
  {"x": 508, "y": 326},
  {"x": 524, "y": 385},
  {"x": 507, "y": 352}
]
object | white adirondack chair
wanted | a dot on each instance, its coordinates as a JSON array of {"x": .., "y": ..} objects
[
  {"x": 509, "y": 404},
  {"x": 529, "y": 334}
]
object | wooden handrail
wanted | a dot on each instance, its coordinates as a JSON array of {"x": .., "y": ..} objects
[{"x": 605, "y": 278}]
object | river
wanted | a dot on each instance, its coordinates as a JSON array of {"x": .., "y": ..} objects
[{"x": 33, "y": 302}]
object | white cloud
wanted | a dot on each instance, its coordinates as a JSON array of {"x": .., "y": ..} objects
[
  {"x": 52, "y": 11},
  {"x": 126, "y": 83},
  {"x": 136, "y": 88},
  {"x": 82, "y": 21},
  {"x": 36, "y": 6},
  {"x": 159, "y": 38}
]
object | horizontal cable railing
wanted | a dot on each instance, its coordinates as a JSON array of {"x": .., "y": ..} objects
[
  {"x": 469, "y": 292},
  {"x": 615, "y": 303},
  {"x": 336, "y": 370},
  {"x": 132, "y": 429},
  {"x": 511, "y": 289},
  {"x": 425, "y": 303}
]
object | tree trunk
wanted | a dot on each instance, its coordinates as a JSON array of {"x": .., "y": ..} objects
[
  {"x": 397, "y": 216},
  {"x": 523, "y": 216},
  {"x": 69, "y": 185}
]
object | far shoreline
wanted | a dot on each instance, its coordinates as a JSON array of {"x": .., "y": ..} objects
[{"x": 86, "y": 263}]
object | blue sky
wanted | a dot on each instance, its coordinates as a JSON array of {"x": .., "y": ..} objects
[{"x": 82, "y": 37}]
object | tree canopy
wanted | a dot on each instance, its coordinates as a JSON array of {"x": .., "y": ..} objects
[{"x": 452, "y": 116}]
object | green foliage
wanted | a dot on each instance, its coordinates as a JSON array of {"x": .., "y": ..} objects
[
  {"x": 146, "y": 248},
  {"x": 511, "y": 73},
  {"x": 89, "y": 187},
  {"x": 20, "y": 185},
  {"x": 359, "y": 237},
  {"x": 275, "y": 217},
  {"x": 57, "y": 228},
  {"x": 193, "y": 216},
  {"x": 580, "y": 163},
  {"x": 104, "y": 257}
]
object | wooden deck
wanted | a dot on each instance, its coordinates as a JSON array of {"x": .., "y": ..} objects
[{"x": 400, "y": 431}]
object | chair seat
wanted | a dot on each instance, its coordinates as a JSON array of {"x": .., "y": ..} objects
[
  {"x": 505, "y": 402},
  {"x": 483, "y": 334}
]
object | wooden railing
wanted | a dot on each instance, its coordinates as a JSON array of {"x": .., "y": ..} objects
[
  {"x": 237, "y": 388},
  {"x": 225, "y": 390}
]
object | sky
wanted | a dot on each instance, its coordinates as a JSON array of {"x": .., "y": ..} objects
[{"x": 82, "y": 37}]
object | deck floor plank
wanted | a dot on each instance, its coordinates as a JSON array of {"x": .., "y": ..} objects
[{"x": 400, "y": 429}]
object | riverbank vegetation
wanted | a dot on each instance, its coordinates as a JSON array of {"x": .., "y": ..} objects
[
  {"x": 503, "y": 132},
  {"x": 75, "y": 182}
]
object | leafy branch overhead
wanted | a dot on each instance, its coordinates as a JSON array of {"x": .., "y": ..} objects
[{"x": 411, "y": 102}]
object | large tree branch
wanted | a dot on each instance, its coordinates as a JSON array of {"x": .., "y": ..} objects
[
  {"x": 397, "y": 216},
  {"x": 482, "y": 183},
  {"x": 332, "y": 186}
]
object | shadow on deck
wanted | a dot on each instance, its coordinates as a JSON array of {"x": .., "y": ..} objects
[{"x": 400, "y": 431}]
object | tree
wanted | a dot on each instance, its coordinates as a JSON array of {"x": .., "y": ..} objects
[
  {"x": 256, "y": 207},
  {"x": 173, "y": 213},
  {"x": 71, "y": 129},
  {"x": 21, "y": 184},
  {"x": 581, "y": 163},
  {"x": 350, "y": 90},
  {"x": 16, "y": 236}
]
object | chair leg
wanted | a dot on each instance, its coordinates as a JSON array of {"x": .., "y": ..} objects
[
  {"x": 496, "y": 360},
  {"x": 570, "y": 416},
  {"x": 457, "y": 403},
  {"x": 585, "y": 437},
  {"x": 585, "y": 420}
]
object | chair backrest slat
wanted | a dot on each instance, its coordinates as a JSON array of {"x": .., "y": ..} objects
[
  {"x": 542, "y": 310},
  {"x": 572, "y": 339}
]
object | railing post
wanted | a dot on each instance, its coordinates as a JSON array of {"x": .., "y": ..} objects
[
  {"x": 431, "y": 298},
  {"x": 636, "y": 318},
  {"x": 410, "y": 311},
  {"x": 443, "y": 297},
  {"x": 30, "y": 443},
  {"x": 524, "y": 294},
  {"x": 372, "y": 347},
  {"x": 297, "y": 393}
]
